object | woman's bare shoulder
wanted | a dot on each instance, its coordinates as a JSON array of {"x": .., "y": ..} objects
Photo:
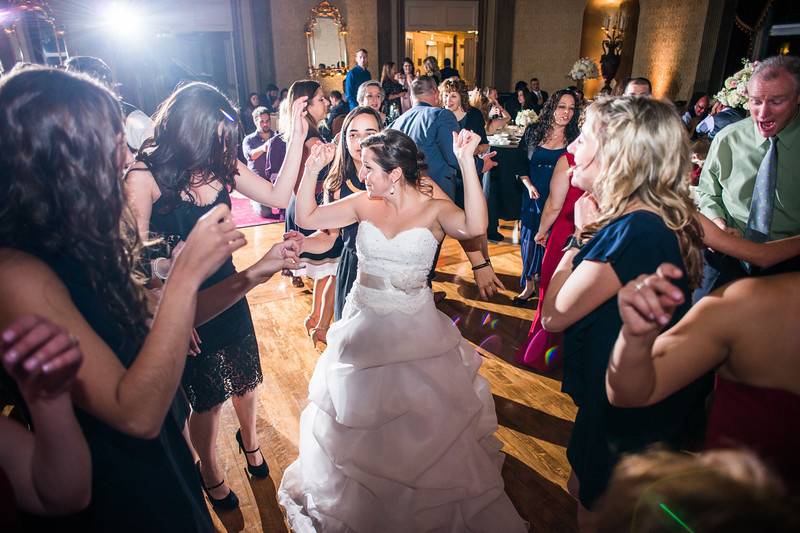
[
  {"x": 23, "y": 275},
  {"x": 13, "y": 261}
]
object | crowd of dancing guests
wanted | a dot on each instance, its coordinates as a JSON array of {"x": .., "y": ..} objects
[{"x": 671, "y": 309}]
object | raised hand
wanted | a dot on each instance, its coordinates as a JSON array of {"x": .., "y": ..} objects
[
  {"x": 297, "y": 237},
  {"x": 647, "y": 303},
  {"x": 211, "y": 242},
  {"x": 464, "y": 144},
  {"x": 299, "y": 122},
  {"x": 586, "y": 211},
  {"x": 40, "y": 356},
  {"x": 488, "y": 162},
  {"x": 282, "y": 255},
  {"x": 320, "y": 155}
]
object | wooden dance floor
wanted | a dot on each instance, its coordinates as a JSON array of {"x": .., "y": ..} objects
[{"x": 535, "y": 417}]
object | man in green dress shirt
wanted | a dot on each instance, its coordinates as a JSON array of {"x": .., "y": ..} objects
[{"x": 726, "y": 185}]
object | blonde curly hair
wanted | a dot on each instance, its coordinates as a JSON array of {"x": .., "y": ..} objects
[{"x": 643, "y": 154}]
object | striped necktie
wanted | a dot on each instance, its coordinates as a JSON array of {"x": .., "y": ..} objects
[{"x": 763, "y": 202}]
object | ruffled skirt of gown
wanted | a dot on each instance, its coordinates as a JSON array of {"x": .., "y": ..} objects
[{"x": 399, "y": 432}]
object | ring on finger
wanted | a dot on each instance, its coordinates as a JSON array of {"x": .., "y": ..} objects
[
  {"x": 73, "y": 340},
  {"x": 638, "y": 286}
]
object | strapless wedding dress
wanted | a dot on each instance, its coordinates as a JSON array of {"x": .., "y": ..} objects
[{"x": 398, "y": 436}]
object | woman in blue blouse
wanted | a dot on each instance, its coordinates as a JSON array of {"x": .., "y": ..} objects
[{"x": 632, "y": 158}]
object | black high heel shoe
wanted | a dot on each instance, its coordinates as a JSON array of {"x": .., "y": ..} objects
[
  {"x": 520, "y": 301},
  {"x": 228, "y": 503},
  {"x": 261, "y": 470}
]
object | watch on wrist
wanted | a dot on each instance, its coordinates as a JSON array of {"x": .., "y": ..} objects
[{"x": 572, "y": 242}]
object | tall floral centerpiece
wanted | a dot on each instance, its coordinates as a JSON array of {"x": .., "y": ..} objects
[
  {"x": 734, "y": 92},
  {"x": 583, "y": 69}
]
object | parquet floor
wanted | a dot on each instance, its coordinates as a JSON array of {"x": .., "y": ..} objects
[{"x": 535, "y": 417}]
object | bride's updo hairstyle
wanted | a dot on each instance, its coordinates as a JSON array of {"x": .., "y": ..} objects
[
  {"x": 643, "y": 154},
  {"x": 394, "y": 149}
]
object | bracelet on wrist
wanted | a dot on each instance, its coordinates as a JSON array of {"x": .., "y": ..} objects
[{"x": 485, "y": 264}]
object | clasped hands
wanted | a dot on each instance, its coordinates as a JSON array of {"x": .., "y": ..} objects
[{"x": 647, "y": 303}]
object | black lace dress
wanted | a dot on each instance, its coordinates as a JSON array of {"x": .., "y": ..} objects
[{"x": 228, "y": 363}]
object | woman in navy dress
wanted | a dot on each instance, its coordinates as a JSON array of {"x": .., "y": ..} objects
[
  {"x": 638, "y": 215},
  {"x": 543, "y": 143}
]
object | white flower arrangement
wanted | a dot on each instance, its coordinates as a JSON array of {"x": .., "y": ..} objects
[
  {"x": 734, "y": 92},
  {"x": 526, "y": 117},
  {"x": 584, "y": 69}
]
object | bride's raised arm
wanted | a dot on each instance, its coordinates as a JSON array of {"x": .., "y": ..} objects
[
  {"x": 472, "y": 221},
  {"x": 308, "y": 214}
]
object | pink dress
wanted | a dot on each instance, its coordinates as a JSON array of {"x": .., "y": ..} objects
[{"x": 542, "y": 349}]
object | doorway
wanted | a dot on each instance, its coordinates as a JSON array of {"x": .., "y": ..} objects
[{"x": 458, "y": 47}]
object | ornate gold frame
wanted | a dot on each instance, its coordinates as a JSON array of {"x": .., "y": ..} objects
[{"x": 324, "y": 10}]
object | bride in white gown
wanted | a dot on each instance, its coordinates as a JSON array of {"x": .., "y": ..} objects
[{"x": 399, "y": 432}]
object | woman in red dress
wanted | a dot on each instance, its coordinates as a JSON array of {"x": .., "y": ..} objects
[{"x": 542, "y": 349}]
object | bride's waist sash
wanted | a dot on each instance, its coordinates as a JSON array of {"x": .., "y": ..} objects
[{"x": 409, "y": 283}]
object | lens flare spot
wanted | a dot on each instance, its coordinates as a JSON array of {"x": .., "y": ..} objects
[
  {"x": 492, "y": 344},
  {"x": 550, "y": 355}
]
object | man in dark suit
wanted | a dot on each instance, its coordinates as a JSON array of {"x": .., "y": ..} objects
[
  {"x": 539, "y": 96},
  {"x": 431, "y": 127},
  {"x": 355, "y": 77}
]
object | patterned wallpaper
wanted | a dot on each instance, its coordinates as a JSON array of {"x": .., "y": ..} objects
[
  {"x": 547, "y": 38},
  {"x": 668, "y": 45},
  {"x": 291, "y": 57},
  {"x": 547, "y": 41}
]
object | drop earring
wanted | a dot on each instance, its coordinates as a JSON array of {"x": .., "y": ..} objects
[{"x": 391, "y": 191}]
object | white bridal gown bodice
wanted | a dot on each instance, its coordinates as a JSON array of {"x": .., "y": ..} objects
[{"x": 398, "y": 435}]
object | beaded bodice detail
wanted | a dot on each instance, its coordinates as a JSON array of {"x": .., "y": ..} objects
[{"x": 393, "y": 273}]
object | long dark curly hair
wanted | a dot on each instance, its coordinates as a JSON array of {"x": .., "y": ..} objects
[
  {"x": 536, "y": 134},
  {"x": 60, "y": 181},
  {"x": 187, "y": 149}
]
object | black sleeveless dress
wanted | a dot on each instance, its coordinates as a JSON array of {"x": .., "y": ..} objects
[
  {"x": 228, "y": 363},
  {"x": 137, "y": 484},
  {"x": 348, "y": 263}
]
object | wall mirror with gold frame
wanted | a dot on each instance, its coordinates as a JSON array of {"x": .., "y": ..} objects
[{"x": 325, "y": 34}]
